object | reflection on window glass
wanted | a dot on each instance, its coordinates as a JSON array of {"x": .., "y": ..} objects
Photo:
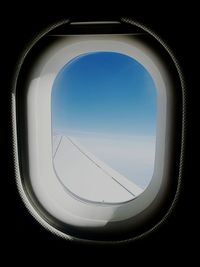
[{"x": 104, "y": 127}]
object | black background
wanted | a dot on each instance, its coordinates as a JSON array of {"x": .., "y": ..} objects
[{"x": 175, "y": 239}]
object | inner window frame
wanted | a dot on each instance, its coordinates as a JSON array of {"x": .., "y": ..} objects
[{"x": 75, "y": 46}]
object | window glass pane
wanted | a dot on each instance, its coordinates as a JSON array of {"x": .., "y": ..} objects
[{"x": 104, "y": 127}]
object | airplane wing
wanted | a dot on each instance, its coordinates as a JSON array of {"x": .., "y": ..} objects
[{"x": 88, "y": 177}]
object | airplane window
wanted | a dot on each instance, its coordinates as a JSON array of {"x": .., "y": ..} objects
[
  {"x": 104, "y": 122},
  {"x": 98, "y": 112}
]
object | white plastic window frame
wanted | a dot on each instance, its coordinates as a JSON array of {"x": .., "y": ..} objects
[{"x": 46, "y": 186}]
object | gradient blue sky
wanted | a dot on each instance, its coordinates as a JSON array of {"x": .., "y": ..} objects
[{"x": 106, "y": 93}]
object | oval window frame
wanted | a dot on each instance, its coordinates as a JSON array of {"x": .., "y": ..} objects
[{"x": 84, "y": 226}]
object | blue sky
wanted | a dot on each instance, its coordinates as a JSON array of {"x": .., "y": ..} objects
[
  {"x": 107, "y": 102},
  {"x": 105, "y": 93}
]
